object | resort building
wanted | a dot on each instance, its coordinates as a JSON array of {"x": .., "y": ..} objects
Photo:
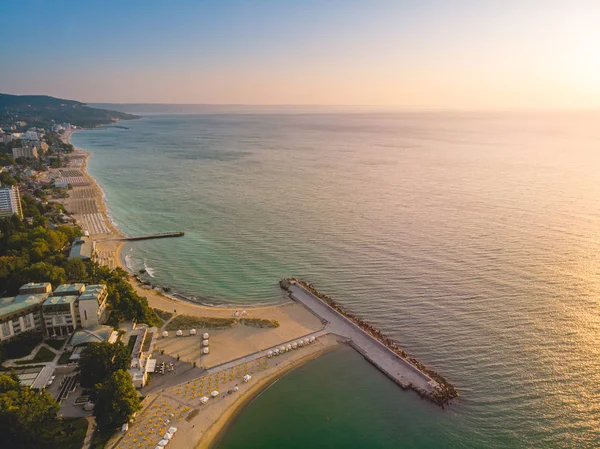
[
  {"x": 10, "y": 202},
  {"x": 142, "y": 363},
  {"x": 26, "y": 152},
  {"x": 41, "y": 287},
  {"x": 93, "y": 334},
  {"x": 81, "y": 248},
  {"x": 21, "y": 314},
  {"x": 60, "y": 316},
  {"x": 92, "y": 305}
]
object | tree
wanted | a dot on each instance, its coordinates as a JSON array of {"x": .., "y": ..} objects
[
  {"x": 115, "y": 400},
  {"x": 99, "y": 360},
  {"x": 21, "y": 411},
  {"x": 76, "y": 270}
]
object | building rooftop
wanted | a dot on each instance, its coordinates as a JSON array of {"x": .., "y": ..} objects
[
  {"x": 81, "y": 248},
  {"x": 36, "y": 286},
  {"x": 14, "y": 304},
  {"x": 69, "y": 289},
  {"x": 54, "y": 300},
  {"x": 93, "y": 334},
  {"x": 92, "y": 292}
]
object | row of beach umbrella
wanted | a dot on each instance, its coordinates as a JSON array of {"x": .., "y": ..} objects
[{"x": 295, "y": 345}]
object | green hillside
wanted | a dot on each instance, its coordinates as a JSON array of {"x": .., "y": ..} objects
[{"x": 43, "y": 111}]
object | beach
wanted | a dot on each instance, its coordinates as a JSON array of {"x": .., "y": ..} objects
[{"x": 241, "y": 342}]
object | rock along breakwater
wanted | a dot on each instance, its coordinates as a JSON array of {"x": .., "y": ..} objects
[{"x": 379, "y": 349}]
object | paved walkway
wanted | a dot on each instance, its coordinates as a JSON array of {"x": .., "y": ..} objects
[
  {"x": 397, "y": 368},
  {"x": 87, "y": 441}
]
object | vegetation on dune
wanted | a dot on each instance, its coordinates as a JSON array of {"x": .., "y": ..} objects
[
  {"x": 185, "y": 322},
  {"x": 192, "y": 322},
  {"x": 163, "y": 315},
  {"x": 258, "y": 322}
]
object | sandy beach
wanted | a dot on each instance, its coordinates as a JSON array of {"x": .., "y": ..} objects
[{"x": 199, "y": 424}]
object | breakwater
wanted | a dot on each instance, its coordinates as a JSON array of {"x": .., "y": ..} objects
[
  {"x": 161, "y": 235},
  {"x": 375, "y": 346}
]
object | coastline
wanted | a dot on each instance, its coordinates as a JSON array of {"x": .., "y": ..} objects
[
  {"x": 294, "y": 321},
  {"x": 214, "y": 434}
]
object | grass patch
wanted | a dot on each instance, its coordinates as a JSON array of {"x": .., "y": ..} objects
[
  {"x": 163, "y": 315},
  {"x": 20, "y": 345},
  {"x": 56, "y": 344},
  {"x": 100, "y": 439},
  {"x": 43, "y": 355},
  {"x": 192, "y": 322},
  {"x": 258, "y": 322},
  {"x": 69, "y": 433},
  {"x": 131, "y": 343},
  {"x": 64, "y": 358}
]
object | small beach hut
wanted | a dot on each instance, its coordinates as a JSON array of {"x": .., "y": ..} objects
[
  {"x": 269, "y": 354},
  {"x": 306, "y": 341},
  {"x": 247, "y": 377},
  {"x": 163, "y": 443},
  {"x": 205, "y": 336},
  {"x": 214, "y": 393},
  {"x": 192, "y": 331},
  {"x": 179, "y": 333},
  {"x": 204, "y": 399},
  {"x": 275, "y": 351},
  {"x": 312, "y": 339},
  {"x": 236, "y": 388},
  {"x": 294, "y": 345},
  {"x": 205, "y": 350},
  {"x": 167, "y": 436},
  {"x": 288, "y": 348},
  {"x": 205, "y": 343},
  {"x": 172, "y": 430},
  {"x": 300, "y": 343},
  {"x": 165, "y": 334}
]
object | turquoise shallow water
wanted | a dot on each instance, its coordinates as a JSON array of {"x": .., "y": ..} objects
[{"x": 471, "y": 239}]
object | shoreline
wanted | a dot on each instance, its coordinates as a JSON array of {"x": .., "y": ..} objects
[
  {"x": 294, "y": 321},
  {"x": 136, "y": 281},
  {"x": 214, "y": 434}
]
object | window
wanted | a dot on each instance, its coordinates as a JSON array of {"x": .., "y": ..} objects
[
  {"x": 5, "y": 329},
  {"x": 27, "y": 321}
]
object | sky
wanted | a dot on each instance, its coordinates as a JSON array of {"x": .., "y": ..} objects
[{"x": 430, "y": 54}]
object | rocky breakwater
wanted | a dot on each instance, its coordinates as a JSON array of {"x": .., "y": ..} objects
[{"x": 441, "y": 395}]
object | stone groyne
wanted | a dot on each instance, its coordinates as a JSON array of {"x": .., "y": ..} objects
[{"x": 442, "y": 392}]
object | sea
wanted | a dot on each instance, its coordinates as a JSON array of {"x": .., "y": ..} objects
[{"x": 473, "y": 239}]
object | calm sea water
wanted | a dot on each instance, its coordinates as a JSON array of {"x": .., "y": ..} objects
[{"x": 474, "y": 240}]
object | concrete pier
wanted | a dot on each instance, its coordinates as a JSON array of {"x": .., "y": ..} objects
[{"x": 400, "y": 370}]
